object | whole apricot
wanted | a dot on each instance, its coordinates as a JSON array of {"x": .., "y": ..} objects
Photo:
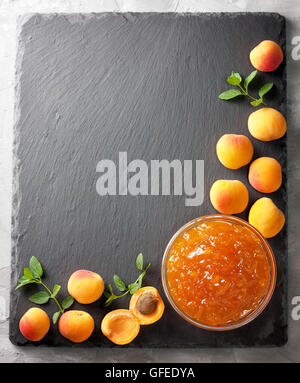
[
  {"x": 266, "y": 56},
  {"x": 34, "y": 324},
  {"x": 76, "y": 325},
  {"x": 266, "y": 217},
  {"x": 234, "y": 150},
  {"x": 229, "y": 196},
  {"x": 85, "y": 286},
  {"x": 120, "y": 326},
  {"x": 267, "y": 124},
  {"x": 265, "y": 174}
]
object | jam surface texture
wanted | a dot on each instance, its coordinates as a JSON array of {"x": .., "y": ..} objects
[{"x": 217, "y": 272}]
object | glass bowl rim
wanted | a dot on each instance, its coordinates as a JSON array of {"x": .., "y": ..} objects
[{"x": 269, "y": 291}]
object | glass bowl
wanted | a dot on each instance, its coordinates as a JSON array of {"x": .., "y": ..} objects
[{"x": 269, "y": 291}]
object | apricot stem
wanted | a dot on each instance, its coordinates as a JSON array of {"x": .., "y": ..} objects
[
  {"x": 247, "y": 94},
  {"x": 51, "y": 296},
  {"x": 131, "y": 288},
  {"x": 113, "y": 297},
  {"x": 120, "y": 296}
]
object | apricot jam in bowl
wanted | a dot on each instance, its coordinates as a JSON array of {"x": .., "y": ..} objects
[{"x": 218, "y": 272}]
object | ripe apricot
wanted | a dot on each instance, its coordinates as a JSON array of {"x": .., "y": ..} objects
[
  {"x": 229, "y": 196},
  {"x": 76, "y": 325},
  {"x": 85, "y": 286},
  {"x": 146, "y": 304},
  {"x": 234, "y": 150},
  {"x": 265, "y": 174},
  {"x": 267, "y": 124},
  {"x": 120, "y": 326},
  {"x": 34, "y": 324},
  {"x": 265, "y": 216},
  {"x": 266, "y": 56}
]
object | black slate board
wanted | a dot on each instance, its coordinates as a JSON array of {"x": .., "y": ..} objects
[{"x": 91, "y": 86}]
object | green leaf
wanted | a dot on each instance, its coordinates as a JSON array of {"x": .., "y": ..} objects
[
  {"x": 256, "y": 102},
  {"x": 234, "y": 79},
  {"x": 133, "y": 287},
  {"x": 27, "y": 273},
  {"x": 120, "y": 285},
  {"x": 24, "y": 283},
  {"x": 249, "y": 78},
  {"x": 265, "y": 89},
  {"x": 24, "y": 279},
  {"x": 56, "y": 289},
  {"x": 40, "y": 298},
  {"x": 67, "y": 302},
  {"x": 55, "y": 317},
  {"x": 139, "y": 262},
  {"x": 35, "y": 267},
  {"x": 229, "y": 94}
]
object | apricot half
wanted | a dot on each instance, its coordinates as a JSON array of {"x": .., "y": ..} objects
[
  {"x": 229, "y": 196},
  {"x": 267, "y": 124},
  {"x": 265, "y": 174},
  {"x": 120, "y": 326},
  {"x": 76, "y": 325},
  {"x": 34, "y": 324},
  {"x": 234, "y": 150},
  {"x": 85, "y": 286},
  {"x": 266, "y": 56},
  {"x": 266, "y": 217},
  {"x": 146, "y": 304}
]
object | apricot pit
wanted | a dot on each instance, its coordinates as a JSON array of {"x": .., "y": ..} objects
[{"x": 147, "y": 304}]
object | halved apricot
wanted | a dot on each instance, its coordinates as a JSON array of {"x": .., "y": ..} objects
[
  {"x": 146, "y": 304},
  {"x": 120, "y": 326}
]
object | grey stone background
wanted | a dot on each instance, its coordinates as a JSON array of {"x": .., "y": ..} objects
[{"x": 9, "y": 11}]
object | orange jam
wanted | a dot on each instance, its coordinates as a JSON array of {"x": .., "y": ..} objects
[{"x": 217, "y": 272}]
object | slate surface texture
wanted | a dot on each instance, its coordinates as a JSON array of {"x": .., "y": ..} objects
[{"x": 91, "y": 86}]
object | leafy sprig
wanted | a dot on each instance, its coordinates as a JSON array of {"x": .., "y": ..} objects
[
  {"x": 33, "y": 274},
  {"x": 236, "y": 80},
  {"x": 121, "y": 286}
]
